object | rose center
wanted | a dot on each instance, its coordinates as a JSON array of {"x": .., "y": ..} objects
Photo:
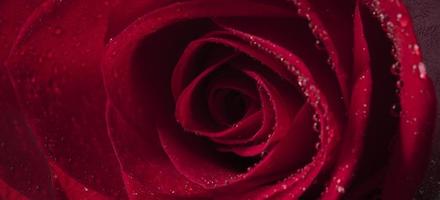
[{"x": 228, "y": 106}]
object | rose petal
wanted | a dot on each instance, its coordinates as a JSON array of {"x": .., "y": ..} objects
[
  {"x": 410, "y": 154},
  {"x": 331, "y": 23},
  {"x": 147, "y": 171},
  {"x": 352, "y": 144},
  {"x": 24, "y": 172},
  {"x": 54, "y": 68},
  {"x": 189, "y": 112}
]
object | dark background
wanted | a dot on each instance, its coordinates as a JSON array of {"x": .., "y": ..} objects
[{"x": 426, "y": 18}]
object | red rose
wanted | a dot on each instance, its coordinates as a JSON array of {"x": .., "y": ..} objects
[{"x": 211, "y": 99}]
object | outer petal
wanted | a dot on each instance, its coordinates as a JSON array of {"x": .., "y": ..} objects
[
  {"x": 411, "y": 152},
  {"x": 24, "y": 171},
  {"x": 55, "y": 71}
]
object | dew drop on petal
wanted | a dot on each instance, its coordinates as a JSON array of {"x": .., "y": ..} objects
[
  {"x": 316, "y": 127},
  {"x": 57, "y": 31},
  {"x": 402, "y": 20},
  {"x": 395, "y": 69},
  {"x": 399, "y": 84},
  {"x": 416, "y": 49},
  {"x": 316, "y": 117},
  {"x": 399, "y": 16},
  {"x": 422, "y": 70},
  {"x": 390, "y": 26},
  {"x": 340, "y": 189},
  {"x": 317, "y": 145},
  {"x": 395, "y": 110},
  {"x": 319, "y": 45},
  {"x": 381, "y": 17},
  {"x": 263, "y": 153}
]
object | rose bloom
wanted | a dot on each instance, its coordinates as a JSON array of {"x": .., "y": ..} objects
[{"x": 212, "y": 99}]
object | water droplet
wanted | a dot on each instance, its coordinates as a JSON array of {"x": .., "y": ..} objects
[
  {"x": 422, "y": 70},
  {"x": 316, "y": 117},
  {"x": 302, "y": 81},
  {"x": 340, "y": 189},
  {"x": 316, "y": 127},
  {"x": 395, "y": 110},
  {"x": 395, "y": 69},
  {"x": 329, "y": 61},
  {"x": 381, "y": 17},
  {"x": 57, "y": 31},
  {"x": 416, "y": 49},
  {"x": 390, "y": 26},
  {"x": 284, "y": 186},
  {"x": 319, "y": 45},
  {"x": 399, "y": 84},
  {"x": 263, "y": 153},
  {"x": 317, "y": 145},
  {"x": 86, "y": 189},
  {"x": 402, "y": 20}
]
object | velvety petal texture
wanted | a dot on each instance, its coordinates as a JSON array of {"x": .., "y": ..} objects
[{"x": 212, "y": 99}]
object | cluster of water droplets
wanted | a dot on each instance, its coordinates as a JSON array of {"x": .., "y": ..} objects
[
  {"x": 313, "y": 97},
  {"x": 310, "y": 91},
  {"x": 402, "y": 22},
  {"x": 214, "y": 182},
  {"x": 394, "y": 25}
]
